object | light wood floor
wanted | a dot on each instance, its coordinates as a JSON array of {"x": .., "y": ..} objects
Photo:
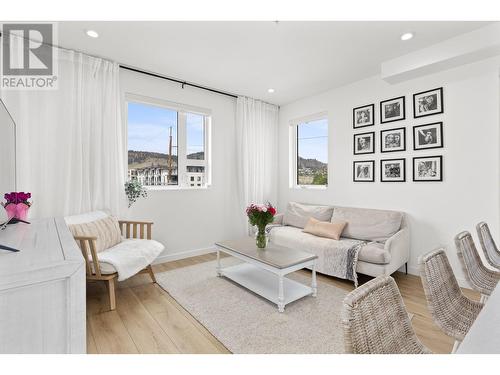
[{"x": 148, "y": 320}]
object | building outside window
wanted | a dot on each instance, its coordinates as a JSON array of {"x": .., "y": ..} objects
[{"x": 167, "y": 144}]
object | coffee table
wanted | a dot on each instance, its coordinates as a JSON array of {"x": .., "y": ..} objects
[{"x": 263, "y": 271}]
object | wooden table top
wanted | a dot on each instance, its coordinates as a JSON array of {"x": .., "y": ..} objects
[{"x": 273, "y": 255}]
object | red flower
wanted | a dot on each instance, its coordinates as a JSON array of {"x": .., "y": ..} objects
[{"x": 272, "y": 210}]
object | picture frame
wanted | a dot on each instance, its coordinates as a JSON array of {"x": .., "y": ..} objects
[
  {"x": 428, "y": 136},
  {"x": 393, "y": 140},
  {"x": 428, "y": 103},
  {"x": 393, "y": 170},
  {"x": 428, "y": 168},
  {"x": 364, "y": 143},
  {"x": 392, "y": 110},
  {"x": 363, "y": 171},
  {"x": 363, "y": 116}
]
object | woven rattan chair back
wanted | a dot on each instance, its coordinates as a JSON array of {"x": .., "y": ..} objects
[
  {"x": 451, "y": 310},
  {"x": 488, "y": 245},
  {"x": 481, "y": 278},
  {"x": 375, "y": 320}
]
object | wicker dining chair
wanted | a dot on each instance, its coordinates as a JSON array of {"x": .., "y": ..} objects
[
  {"x": 375, "y": 321},
  {"x": 482, "y": 279},
  {"x": 451, "y": 310},
  {"x": 488, "y": 245}
]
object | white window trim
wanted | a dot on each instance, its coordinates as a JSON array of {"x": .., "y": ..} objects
[
  {"x": 182, "y": 161},
  {"x": 293, "y": 151}
]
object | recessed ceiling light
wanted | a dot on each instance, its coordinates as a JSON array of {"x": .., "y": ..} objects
[
  {"x": 270, "y": 91},
  {"x": 92, "y": 33},
  {"x": 406, "y": 36}
]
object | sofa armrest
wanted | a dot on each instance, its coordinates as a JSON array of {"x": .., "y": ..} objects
[
  {"x": 399, "y": 243},
  {"x": 278, "y": 219}
]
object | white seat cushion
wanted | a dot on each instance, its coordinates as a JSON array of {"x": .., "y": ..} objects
[
  {"x": 129, "y": 257},
  {"x": 294, "y": 238}
]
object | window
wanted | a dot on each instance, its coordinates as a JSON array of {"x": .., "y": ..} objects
[
  {"x": 167, "y": 144},
  {"x": 311, "y": 141}
]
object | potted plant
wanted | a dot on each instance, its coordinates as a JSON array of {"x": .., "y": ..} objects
[
  {"x": 17, "y": 205},
  {"x": 134, "y": 191}
]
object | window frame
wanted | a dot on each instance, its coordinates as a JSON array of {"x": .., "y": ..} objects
[
  {"x": 182, "y": 160},
  {"x": 294, "y": 150}
]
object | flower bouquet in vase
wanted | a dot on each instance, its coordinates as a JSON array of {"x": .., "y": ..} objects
[
  {"x": 261, "y": 215},
  {"x": 17, "y": 206}
]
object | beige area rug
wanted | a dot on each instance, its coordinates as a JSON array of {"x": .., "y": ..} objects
[{"x": 247, "y": 323}]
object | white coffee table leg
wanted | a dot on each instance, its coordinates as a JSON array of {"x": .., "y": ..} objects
[
  {"x": 314, "y": 285},
  {"x": 218, "y": 264},
  {"x": 281, "y": 295}
]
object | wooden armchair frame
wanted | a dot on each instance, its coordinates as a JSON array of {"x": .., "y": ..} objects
[{"x": 129, "y": 229}]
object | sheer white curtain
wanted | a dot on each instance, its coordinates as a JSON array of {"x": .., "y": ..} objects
[
  {"x": 257, "y": 151},
  {"x": 70, "y": 151}
]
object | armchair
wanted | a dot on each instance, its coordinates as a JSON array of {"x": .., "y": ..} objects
[{"x": 132, "y": 255}]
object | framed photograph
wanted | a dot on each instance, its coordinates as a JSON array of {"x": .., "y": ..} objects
[
  {"x": 428, "y": 168},
  {"x": 364, "y": 143},
  {"x": 364, "y": 171},
  {"x": 363, "y": 116},
  {"x": 392, "y": 110},
  {"x": 428, "y": 103},
  {"x": 428, "y": 136},
  {"x": 392, "y": 140},
  {"x": 393, "y": 170}
]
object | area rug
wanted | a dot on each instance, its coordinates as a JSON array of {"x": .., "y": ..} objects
[{"x": 246, "y": 323}]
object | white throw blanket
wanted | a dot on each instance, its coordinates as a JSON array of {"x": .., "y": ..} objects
[{"x": 129, "y": 257}]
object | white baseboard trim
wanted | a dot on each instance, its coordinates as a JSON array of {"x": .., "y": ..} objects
[{"x": 184, "y": 254}]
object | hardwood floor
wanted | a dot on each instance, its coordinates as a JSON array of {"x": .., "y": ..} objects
[{"x": 148, "y": 320}]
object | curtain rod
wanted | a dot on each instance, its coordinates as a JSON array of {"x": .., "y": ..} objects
[{"x": 183, "y": 83}]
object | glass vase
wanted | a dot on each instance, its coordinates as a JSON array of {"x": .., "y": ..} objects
[{"x": 261, "y": 238}]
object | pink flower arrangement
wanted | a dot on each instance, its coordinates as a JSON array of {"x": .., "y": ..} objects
[
  {"x": 17, "y": 205},
  {"x": 261, "y": 215},
  {"x": 16, "y": 198}
]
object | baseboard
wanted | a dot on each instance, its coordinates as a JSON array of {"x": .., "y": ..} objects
[{"x": 184, "y": 254}]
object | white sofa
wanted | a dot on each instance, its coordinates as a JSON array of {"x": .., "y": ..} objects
[{"x": 386, "y": 232}]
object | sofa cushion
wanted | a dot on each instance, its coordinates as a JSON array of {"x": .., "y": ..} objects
[
  {"x": 368, "y": 224},
  {"x": 325, "y": 228},
  {"x": 297, "y": 214},
  {"x": 106, "y": 230},
  {"x": 295, "y": 238}
]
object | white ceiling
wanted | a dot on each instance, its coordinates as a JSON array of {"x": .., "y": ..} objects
[{"x": 297, "y": 59}]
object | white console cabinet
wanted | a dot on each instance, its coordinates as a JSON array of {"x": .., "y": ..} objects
[{"x": 42, "y": 290}]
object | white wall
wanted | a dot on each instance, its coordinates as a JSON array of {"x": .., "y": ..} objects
[
  {"x": 439, "y": 210},
  {"x": 188, "y": 222}
]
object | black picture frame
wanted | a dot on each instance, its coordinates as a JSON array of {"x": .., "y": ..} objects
[
  {"x": 354, "y": 178},
  {"x": 441, "y": 136},
  {"x": 439, "y": 157},
  {"x": 403, "y": 106},
  {"x": 441, "y": 103},
  {"x": 393, "y": 130},
  {"x": 372, "y": 106},
  {"x": 382, "y": 162},
  {"x": 372, "y": 149}
]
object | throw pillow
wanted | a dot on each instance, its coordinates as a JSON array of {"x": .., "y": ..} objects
[
  {"x": 107, "y": 231},
  {"x": 325, "y": 229}
]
